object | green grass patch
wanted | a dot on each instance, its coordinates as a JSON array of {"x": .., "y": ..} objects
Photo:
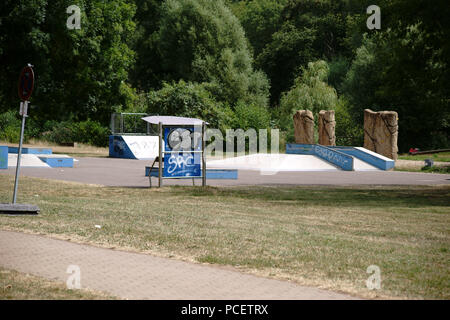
[
  {"x": 442, "y": 157},
  {"x": 432, "y": 169},
  {"x": 320, "y": 236},
  {"x": 19, "y": 286}
]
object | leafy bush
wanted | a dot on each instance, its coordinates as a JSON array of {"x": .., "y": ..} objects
[
  {"x": 59, "y": 132},
  {"x": 10, "y": 127},
  {"x": 310, "y": 92},
  {"x": 89, "y": 132},
  {"x": 250, "y": 116},
  {"x": 187, "y": 99},
  {"x": 348, "y": 132}
]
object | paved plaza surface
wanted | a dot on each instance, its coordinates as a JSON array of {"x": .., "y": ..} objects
[
  {"x": 131, "y": 173},
  {"x": 140, "y": 276}
]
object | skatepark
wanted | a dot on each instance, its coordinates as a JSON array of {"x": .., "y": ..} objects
[
  {"x": 303, "y": 163},
  {"x": 131, "y": 160},
  {"x": 130, "y": 173}
]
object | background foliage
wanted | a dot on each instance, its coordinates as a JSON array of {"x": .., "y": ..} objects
[{"x": 234, "y": 63}]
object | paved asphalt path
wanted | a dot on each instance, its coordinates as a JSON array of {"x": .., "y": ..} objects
[
  {"x": 139, "y": 276},
  {"x": 130, "y": 173}
]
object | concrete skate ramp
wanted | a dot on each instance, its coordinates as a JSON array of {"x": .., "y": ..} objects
[
  {"x": 367, "y": 159},
  {"x": 345, "y": 158},
  {"x": 133, "y": 147},
  {"x": 360, "y": 165},
  {"x": 26, "y": 161},
  {"x": 273, "y": 163}
]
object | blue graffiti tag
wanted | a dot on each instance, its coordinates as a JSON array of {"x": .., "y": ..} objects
[{"x": 332, "y": 156}]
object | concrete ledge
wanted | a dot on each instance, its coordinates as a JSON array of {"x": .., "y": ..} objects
[
  {"x": 58, "y": 162},
  {"x": 294, "y": 148},
  {"x": 30, "y": 150},
  {"x": 377, "y": 160},
  {"x": 336, "y": 158},
  {"x": 210, "y": 174}
]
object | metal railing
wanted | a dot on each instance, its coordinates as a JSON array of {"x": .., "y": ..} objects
[{"x": 127, "y": 123}]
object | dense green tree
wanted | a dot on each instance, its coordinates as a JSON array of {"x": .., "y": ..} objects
[
  {"x": 78, "y": 72},
  {"x": 199, "y": 48},
  {"x": 404, "y": 67},
  {"x": 22, "y": 40},
  {"x": 260, "y": 20},
  {"x": 187, "y": 99},
  {"x": 146, "y": 72},
  {"x": 311, "y": 30},
  {"x": 309, "y": 92},
  {"x": 202, "y": 41}
]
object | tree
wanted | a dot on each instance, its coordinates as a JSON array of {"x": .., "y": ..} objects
[
  {"x": 309, "y": 92},
  {"x": 189, "y": 99},
  {"x": 146, "y": 72},
  {"x": 404, "y": 68},
  {"x": 311, "y": 30},
  {"x": 79, "y": 72},
  {"x": 260, "y": 20},
  {"x": 202, "y": 41}
]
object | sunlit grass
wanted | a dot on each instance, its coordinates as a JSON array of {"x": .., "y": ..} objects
[
  {"x": 321, "y": 236},
  {"x": 19, "y": 286}
]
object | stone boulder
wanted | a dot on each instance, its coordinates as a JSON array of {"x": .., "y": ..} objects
[
  {"x": 381, "y": 132},
  {"x": 304, "y": 127},
  {"x": 327, "y": 125}
]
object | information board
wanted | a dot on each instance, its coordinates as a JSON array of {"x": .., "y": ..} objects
[{"x": 182, "y": 152}]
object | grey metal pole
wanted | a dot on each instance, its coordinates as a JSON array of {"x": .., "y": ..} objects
[
  {"x": 19, "y": 154},
  {"x": 160, "y": 155},
  {"x": 203, "y": 154}
]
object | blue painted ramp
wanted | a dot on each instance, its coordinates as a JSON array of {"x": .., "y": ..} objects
[
  {"x": 372, "y": 158},
  {"x": 57, "y": 161},
  {"x": 133, "y": 147},
  {"x": 344, "y": 157},
  {"x": 337, "y": 158}
]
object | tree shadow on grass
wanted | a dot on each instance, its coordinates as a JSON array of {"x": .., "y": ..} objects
[{"x": 414, "y": 197}]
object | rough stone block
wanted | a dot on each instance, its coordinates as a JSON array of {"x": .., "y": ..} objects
[
  {"x": 381, "y": 132},
  {"x": 327, "y": 125},
  {"x": 304, "y": 127}
]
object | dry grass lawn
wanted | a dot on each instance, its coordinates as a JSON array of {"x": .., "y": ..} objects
[
  {"x": 19, "y": 286},
  {"x": 320, "y": 236}
]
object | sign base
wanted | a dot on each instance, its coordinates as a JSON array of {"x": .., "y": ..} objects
[{"x": 16, "y": 209}]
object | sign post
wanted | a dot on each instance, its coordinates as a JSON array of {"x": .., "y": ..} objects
[{"x": 26, "y": 85}]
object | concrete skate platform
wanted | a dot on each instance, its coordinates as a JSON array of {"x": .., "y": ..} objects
[{"x": 130, "y": 173}]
